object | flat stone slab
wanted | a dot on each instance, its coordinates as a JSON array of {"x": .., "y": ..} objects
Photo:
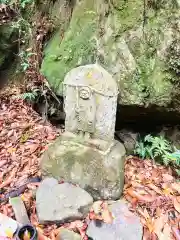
[
  {"x": 19, "y": 210},
  {"x": 58, "y": 203},
  {"x": 66, "y": 234},
  {"x": 125, "y": 226}
]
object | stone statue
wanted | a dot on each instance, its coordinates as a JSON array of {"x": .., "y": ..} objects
[
  {"x": 90, "y": 103},
  {"x": 87, "y": 153}
]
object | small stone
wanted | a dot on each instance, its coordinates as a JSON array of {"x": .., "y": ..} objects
[
  {"x": 66, "y": 234},
  {"x": 125, "y": 226},
  {"x": 61, "y": 202},
  {"x": 128, "y": 138},
  {"x": 19, "y": 210}
]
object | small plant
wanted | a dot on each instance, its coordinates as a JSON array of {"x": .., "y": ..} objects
[
  {"x": 158, "y": 149},
  {"x": 28, "y": 96},
  {"x": 25, "y": 60}
]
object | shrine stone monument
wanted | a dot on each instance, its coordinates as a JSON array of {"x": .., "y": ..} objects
[{"x": 86, "y": 153}]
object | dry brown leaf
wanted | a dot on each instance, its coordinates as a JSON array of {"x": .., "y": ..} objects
[
  {"x": 159, "y": 224},
  {"x": 150, "y": 224},
  {"x": 97, "y": 206},
  {"x": 2, "y": 163},
  {"x": 176, "y": 205},
  {"x": 155, "y": 188},
  {"x": 100, "y": 211},
  {"x": 167, "y": 178},
  {"x": 176, "y": 187},
  {"x": 9, "y": 179},
  {"x": 144, "y": 198},
  {"x": 166, "y": 234},
  {"x": 107, "y": 216}
]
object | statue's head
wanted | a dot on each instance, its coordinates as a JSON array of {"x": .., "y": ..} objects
[{"x": 84, "y": 93}]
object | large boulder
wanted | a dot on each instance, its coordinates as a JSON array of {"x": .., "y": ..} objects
[
  {"x": 138, "y": 46},
  {"x": 101, "y": 173}
]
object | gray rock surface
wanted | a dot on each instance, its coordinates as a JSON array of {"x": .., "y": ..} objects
[
  {"x": 101, "y": 173},
  {"x": 128, "y": 138},
  {"x": 61, "y": 202},
  {"x": 125, "y": 226},
  {"x": 66, "y": 234},
  {"x": 19, "y": 210}
]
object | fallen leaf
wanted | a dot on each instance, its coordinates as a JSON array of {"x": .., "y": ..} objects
[
  {"x": 9, "y": 179},
  {"x": 107, "y": 216},
  {"x": 176, "y": 187},
  {"x": 2, "y": 163},
  {"x": 97, "y": 206},
  {"x": 159, "y": 224},
  {"x": 51, "y": 137},
  {"x": 176, "y": 205},
  {"x": 167, "y": 178},
  {"x": 166, "y": 234},
  {"x": 145, "y": 198},
  {"x": 155, "y": 188},
  {"x": 150, "y": 224},
  {"x": 11, "y": 150},
  {"x": 100, "y": 211}
]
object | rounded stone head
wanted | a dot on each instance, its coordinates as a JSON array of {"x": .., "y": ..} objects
[{"x": 85, "y": 93}]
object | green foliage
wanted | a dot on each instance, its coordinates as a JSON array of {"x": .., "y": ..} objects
[
  {"x": 22, "y": 26},
  {"x": 158, "y": 148},
  {"x": 28, "y": 96},
  {"x": 21, "y": 3},
  {"x": 25, "y": 60}
]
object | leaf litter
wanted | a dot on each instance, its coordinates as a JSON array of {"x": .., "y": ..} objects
[
  {"x": 153, "y": 193},
  {"x": 151, "y": 190}
]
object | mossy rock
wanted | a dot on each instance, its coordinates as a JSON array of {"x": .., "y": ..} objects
[
  {"x": 130, "y": 45},
  {"x": 78, "y": 46},
  {"x": 99, "y": 173}
]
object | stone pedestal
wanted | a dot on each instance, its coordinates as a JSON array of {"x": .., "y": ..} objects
[{"x": 96, "y": 166}]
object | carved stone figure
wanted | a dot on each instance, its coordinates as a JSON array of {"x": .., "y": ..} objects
[
  {"x": 87, "y": 153},
  {"x": 85, "y": 112},
  {"x": 90, "y": 102}
]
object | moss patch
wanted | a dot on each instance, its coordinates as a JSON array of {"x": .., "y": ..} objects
[{"x": 78, "y": 46}]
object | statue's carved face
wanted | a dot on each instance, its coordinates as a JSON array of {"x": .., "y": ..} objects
[{"x": 84, "y": 93}]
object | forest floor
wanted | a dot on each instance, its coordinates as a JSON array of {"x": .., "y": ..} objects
[{"x": 151, "y": 189}]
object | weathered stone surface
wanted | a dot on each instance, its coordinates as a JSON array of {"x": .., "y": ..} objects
[
  {"x": 112, "y": 33},
  {"x": 90, "y": 102},
  {"x": 87, "y": 153},
  {"x": 100, "y": 173},
  {"x": 19, "y": 210},
  {"x": 128, "y": 138},
  {"x": 61, "y": 202},
  {"x": 66, "y": 234},
  {"x": 125, "y": 226}
]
